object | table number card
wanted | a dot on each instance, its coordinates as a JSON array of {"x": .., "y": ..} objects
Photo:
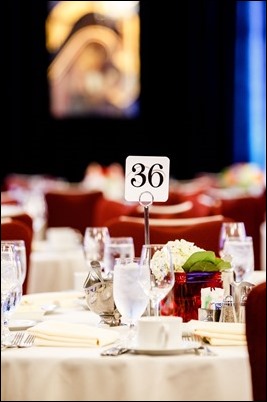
[{"x": 147, "y": 178}]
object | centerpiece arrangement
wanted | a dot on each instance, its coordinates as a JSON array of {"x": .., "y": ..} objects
[{"x": 195, "y": 269}]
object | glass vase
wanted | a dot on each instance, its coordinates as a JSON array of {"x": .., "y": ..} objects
[{"x": 185, "y": 298}]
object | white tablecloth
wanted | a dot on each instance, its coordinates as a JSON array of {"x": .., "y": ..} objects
[
  {"x": 53, "y": 270},
  {"x": 81, "y": 374}
]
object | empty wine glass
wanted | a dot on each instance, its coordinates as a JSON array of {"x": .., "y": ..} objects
[
  {"x": 156, "y": 273},
  {"x": 241, "y": 255},
  {"x": 16, "y": 292},
  {"x": 94, "y": 242},
  {"x": 129, "y": 297},
  {"x": 117, "y": 247},
  {"x": 231, "y": 230},
  {"x": 21, "y": 256},
  {"x": 10, "y": 280}
]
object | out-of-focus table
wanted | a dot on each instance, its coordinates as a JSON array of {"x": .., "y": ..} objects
[
  {"x": 81, "y": 374},
  {"x": 257, "y": 277},
  {"x": 53, "y": 270}
]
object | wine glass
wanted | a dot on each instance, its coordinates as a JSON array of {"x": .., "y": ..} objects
[
  {"x": 156, "y": 273},
  {"x": 94, "y": 242},
  {"x": 21, "y": 256},
  {"x": 16, "y": 292},
  {"x": 231, "y": 230},
  {"x": 129, "y": 297},
  {"x": 117, "y": 247},
  {"x": 10, "y": 280},
  {"x": 241, "y": 255}
]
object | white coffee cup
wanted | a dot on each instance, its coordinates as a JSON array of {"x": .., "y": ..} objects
[{"x": 164, "y": 332}]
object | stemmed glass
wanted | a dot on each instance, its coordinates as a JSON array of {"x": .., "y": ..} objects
[
  {"x": 117, "y": 247},
  {"x": 230, "y": 230},
  {"x": 241, "y": 254},
  {"x": 237, "y": 247},
  {"x": 21, "y": 256},
  {"x": 129, "y": 297},
  {"x": 16, "y": 293},
  {"x": 10, "y": 280},
  {"x": 156, "y": 273},
  {"x": 94, "y": 242}
]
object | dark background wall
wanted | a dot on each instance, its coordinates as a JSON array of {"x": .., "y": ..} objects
[{"x": 187, "y": 55}]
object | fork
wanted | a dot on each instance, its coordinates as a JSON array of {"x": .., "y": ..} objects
[
  {"x": 20, "y": 341},
  {"x": 27, "y": 342},
  {"x": 17, "y": 338},
  {"x": 203, "y": 349}
]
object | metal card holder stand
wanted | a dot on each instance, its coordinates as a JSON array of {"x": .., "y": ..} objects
[{"x": 146, "y": 205}]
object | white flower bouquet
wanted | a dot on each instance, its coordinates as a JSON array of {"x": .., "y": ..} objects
[{"x": 187, "y": 257}]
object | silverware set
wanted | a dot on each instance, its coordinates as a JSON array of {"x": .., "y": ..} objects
[
  {"x": 201, "y": 349},
  {"x": 21, "y": 340}
]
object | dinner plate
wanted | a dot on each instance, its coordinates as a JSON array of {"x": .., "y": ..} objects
[
  {"x": 21, "y": 325},
  {"x": 183, "y": 347}
]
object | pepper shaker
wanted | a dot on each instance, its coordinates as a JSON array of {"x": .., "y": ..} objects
[{"x": 228, "y": 313}]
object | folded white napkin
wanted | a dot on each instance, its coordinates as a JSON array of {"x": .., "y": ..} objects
[
  {"x": 31, "y": 302},
  {"x": 220, "y": 333},
  {"x": 34, "y": 306},
  {"x": 59, "y": 333}
]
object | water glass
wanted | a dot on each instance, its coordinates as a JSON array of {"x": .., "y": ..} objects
[
  {"x": 10, "y": 280},
  {"x": 21, "y": 256},
  {"x": 94, "y": 241},
  {"x": 241, "y": 254},
  {"x": 129, "y": 297},
  {"x": 231, "y": 230},
  {"x": 156, "y": 273},
  {"x": 117, "y": 247}
]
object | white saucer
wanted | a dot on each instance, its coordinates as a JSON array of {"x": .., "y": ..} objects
[
  {"x": 49, "y": 308},
  {"x": 183, "y": 347},
  {"x": 21, "y": 325}
]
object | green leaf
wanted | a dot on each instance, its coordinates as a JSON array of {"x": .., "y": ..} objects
[
  {"x": 197, "y": 257},
  {"x": 203, "y": 266},
  {"x": 223, "y": 265},
  {"x": 205, "y": 261}
]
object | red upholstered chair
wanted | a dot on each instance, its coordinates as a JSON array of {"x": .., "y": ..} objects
[
  {"x": 24, "y": 218},
  {"x": 201, "y": 205},
  {"x": 71, "y": 208},
  {"x": 203, "y": 231},
  {"x": 13, "y": 229},
  {"x": 16, "y": 212},
  {"x": 164, "y": 211},
  {"x": 251, "y": 211},
  {"x": 107, "y": 209},
  {"x": 256, "y": 339},
  {"x": 7, "y": 199}
]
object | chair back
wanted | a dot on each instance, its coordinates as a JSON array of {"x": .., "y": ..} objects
[
  {"x": 252, "y": 211},
  {"x": 17, "y": 212},
  {"x": 203, "y": 231},
  {"x": 107, "y": 209},
  {"x": 13, "y": 229},
  {"x": 256, "y": 339},
  {"x": 71, "y": 208}
]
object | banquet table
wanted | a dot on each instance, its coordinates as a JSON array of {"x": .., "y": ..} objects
[
  {"x": 53, "y": 269},
  {"x": 42, "y": 373}
]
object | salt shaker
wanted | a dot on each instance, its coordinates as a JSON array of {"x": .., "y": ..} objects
[
  {"x": 228, "y": 313},
  {"x": 242, "y": 309}
]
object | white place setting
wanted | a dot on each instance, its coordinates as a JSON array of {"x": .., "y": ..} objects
[{"x": 225, "y": 376}]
